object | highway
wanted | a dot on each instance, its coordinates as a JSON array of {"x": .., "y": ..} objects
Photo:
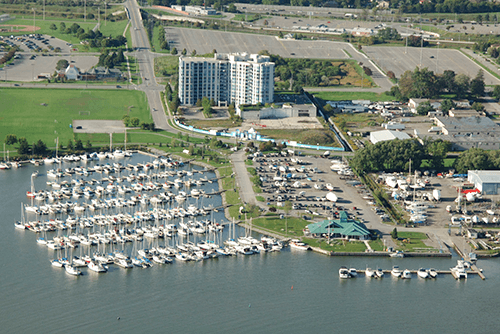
[{"x": 145, "y": 60}]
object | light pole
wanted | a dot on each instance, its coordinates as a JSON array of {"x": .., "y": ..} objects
[
  {"x": 33, "y": 70},
  {"x": 437, "y": 58},
  {"x": 34, "y": 22}
]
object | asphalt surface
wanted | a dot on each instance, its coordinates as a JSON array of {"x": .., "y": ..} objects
[
  {"x": 145, "y": 60},
  {"x": 395, "y": 59}
]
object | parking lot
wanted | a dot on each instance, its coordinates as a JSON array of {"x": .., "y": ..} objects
[
  {"x": 306, "y": 189},
  {"x": 204, "y": 41},
  {"x": 26, "y": 69},
  {"x": 394, "y": 59},
  {"x": 37, "y": 42},
  {"x": 28, "y": 64}
]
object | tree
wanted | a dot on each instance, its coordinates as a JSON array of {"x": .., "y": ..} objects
[
  {"x": 477, "y": 106},
  {"x": 394, "y": 233},
  {"x": 134, "y": 122},
  {"x": 39, "y": 148},
  {"x": 78, "y": 145},
  {"x": 446, "y": 105},
  {"x": 462, "y": 84},
  {"x": 174, "y": 51},
  {"x": 184, "y": 52},
  {"x": 496, "y": 92},
  {"x": 88, "y": 146},
  {"x": 10, "y": 139},
  {"x": 53, "y": 26},
  {"x": 70, "y": 145},
  {"x": 231, "y": 8},
  {"x": 391, "y": 75},
  {"x": 424, "y": 108},
  {"x": 24, "y": 147},
  {"x": 62, "y": 64},
  {"x": 477, "y": 84},
  {"x": 437, "y": 151},
  {"x": 367, "y": 71},
  {"x": 193, "y": 53},
  {"x": 472, "y": 159},
  {"x": 62, "y": 27}
]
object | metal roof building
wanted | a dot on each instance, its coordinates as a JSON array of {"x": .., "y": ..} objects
[
  {"x": 486, "y": 181},
  {"x": 343, "y": 227},
  {"x": 385, "y": 135}
]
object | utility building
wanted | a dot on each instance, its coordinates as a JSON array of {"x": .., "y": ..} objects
[{"x": 486, "y": 181}]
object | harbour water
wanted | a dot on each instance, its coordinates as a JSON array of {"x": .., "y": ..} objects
[{"x": 280, "y": 292}]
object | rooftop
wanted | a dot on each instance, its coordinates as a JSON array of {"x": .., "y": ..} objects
[
  {"x": 468, "y": 124},
  {"x": 489, "y": 176},
  {"x": 384, "y": 135}
]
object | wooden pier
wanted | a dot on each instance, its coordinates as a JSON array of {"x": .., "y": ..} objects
[
  {"x": 473, "y": 266},
  {"x": 440, "y": 272}
]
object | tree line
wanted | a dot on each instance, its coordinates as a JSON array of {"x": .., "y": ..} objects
[
  {"x": 423, "y": 83},
  {"x": 395, "y": 155},
  {"x": 95, "y": 39}
]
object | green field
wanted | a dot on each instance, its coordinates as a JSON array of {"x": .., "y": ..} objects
[
  {"x": 341, "y": 96},
  {"x": 166, "y": 66},
  {"x": 110, "y": 28},
  {"x": 292, "y": 226},
  {"x": 22, "y": 112}
]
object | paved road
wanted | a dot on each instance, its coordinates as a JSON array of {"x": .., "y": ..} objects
[
  {"x": 247, "y": 194},
  {"x": 145, "y": 59}
]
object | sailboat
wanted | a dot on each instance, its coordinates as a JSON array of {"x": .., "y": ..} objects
[{"x": 21, "y": 224}]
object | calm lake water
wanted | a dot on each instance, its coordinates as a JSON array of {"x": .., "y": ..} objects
[{"x": 287, "y": 292}]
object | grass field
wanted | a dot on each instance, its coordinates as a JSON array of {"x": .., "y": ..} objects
[
  {"x": 22, "y": 114},
  {"x": 166, "y": 66},
  {"x": 341, "y": 96},
  {"x": 415, "y": 241},
  {"x": 292, "y": 225},
  {"x": 312, "y": 137},
  {"x": 110, "y": 28}
]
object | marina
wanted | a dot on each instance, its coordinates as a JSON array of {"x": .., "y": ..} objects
[{"x": 144, "y": 298}]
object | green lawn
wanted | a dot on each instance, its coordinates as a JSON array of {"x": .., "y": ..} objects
[
  {"x": 340, "y": 96},
  {"x": 22, "y": 114},
  {"x": 166, "y": 66},
  {"x": 337, "y": 245},
  {"x": 415, "y": 241},
  {"x": 274, "y": 223},
  {"x": 111, "y": 28}
]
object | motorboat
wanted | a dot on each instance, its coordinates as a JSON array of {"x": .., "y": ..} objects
[
  {"x": 379, "y": 273},
  {"x": 422, "y": 273},
  {"x": 57, "y": 263},
  {"x": 432, "y": 273},
  {"x": 396, "y": 272},
  {"x": 124, "y": 263},
  {"x": 344, "y": 272},
  {"x": 397, "y": 254},
  {"x": 369, "y": 272},
  {"x": 72, "y": 270},
  {"x": 406, "y": 274},
  {"x": 297, "y": 244},
  {"x": 353, "y": 272},
  {"x": 97, "y": 267},
  {"x": 459, "y": 270}
]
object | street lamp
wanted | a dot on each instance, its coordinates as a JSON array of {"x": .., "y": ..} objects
[{"x": 34, "y": 25}]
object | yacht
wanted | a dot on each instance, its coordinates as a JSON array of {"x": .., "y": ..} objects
[
  {"x": 459, "y": 271},
  {"x": 297, "y": 244},
  {"x": 124, "y": 263},
  {"x": 379, "y": 273},
  {"x": 396, "y": 272},
  {"x": 97, "y": 267},
  {"x": 353, "y": 272},
  {"x": 370, "y": 272},
  {"x": 56, "y": 263},
  {"x": 397, "y": 254},
  {"x": 422, "y": 273},
  {"x": 72, "y": 270},
  {"x": 344, "y": 272},
  {"x": 432, "y": 273},
  {"x": 406, "y": 274}
]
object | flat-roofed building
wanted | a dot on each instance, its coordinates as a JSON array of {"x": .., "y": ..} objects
[
  {"x": 238, "y": 77},
  {"x": 486, "y": 181}
]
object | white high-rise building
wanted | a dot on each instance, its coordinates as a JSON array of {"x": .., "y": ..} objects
[{"x": 238, "y": 77}]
